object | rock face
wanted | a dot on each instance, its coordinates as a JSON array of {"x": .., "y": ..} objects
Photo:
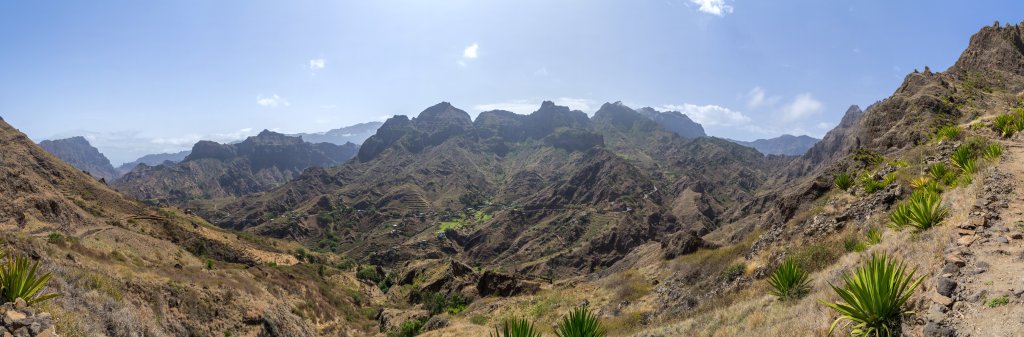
[
  {"x": 213, "y": 170},
  {"x": 79, "y": 153},
  {"x": 153, "y": 160},
  {"x": 355, "y": 134},
  {"x": 674, "y": 121},
  {"x": 788, "y": 145}
]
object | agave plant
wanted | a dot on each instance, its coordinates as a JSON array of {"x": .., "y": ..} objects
[
  {"x": 962, "y": 158},
  {"x": 993, "y": 151},
  {"x": 18, "y": 279},
  {"x": 516, "y": 328},
  {"x": 899, "y": 218},
  {"x": 874, "y": 236},
  {"x": 950, "y": 132},
  {"x": 920, "y": 181},
  {"x": 789, "y": 281},
  {"x": 873, "y": 298},
  {"x": 931, "y": 187},
  {"x": 1005, "y": 124},
  {"x": 924, "y": 210},
  {"x": 940, "y": 172},
  {"x": 844, "y": 181},
  {"x": 581, "y": 322}
]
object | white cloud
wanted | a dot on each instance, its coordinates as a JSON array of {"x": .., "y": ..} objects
[
  {"x": 803, "y": 106},
  {"x": 317, "y": 64},
  {"x": 185, "y": 140},
  {"x": 271, "y": 101},
  {"x": 713, "y": 7},
  {"x": 710, "y": 115},
  {"x": 527, "y": 106},
  {"x": 471, "y": 51},
  {"x": 824, "y": 126}
]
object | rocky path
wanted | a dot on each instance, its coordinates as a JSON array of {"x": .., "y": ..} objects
[{"x": 980, "y": 291}]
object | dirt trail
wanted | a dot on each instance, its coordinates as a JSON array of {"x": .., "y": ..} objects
[{"x": 980, "y": 291}]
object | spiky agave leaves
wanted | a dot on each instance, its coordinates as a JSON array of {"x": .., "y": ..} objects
[
  {"x": 19, "y": 280},
  {"x": 963, "y": 159},
  {"x": 873, "y": 297},
  {"x": 581, "y": 322},
  {"x": 899, "y": 216},
  {"x": 844, "y": 181},
  {"x": 516, "y": 328},
  {"x": 993, "y": 151},
  {"x": 789, "y": 281},
  {"x": 925, "y": 210},
  {"x": 950, "y": 132},
  {"x": 874, "y": 236},
  {"x": 1006, "y": 125},
  {"x": 940, "y": 172}
]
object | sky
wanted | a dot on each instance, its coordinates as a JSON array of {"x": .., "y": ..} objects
[{"x": 139, "y": 77}]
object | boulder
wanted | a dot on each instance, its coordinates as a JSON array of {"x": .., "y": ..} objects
[
  {"x": 681, "y": 243},
  {"x": 501, "y": 284},
  {"x": 390, "y": 319}
]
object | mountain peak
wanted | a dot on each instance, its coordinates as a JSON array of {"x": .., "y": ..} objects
[
  {"x": 79, "y": 153},
  {"x": 444, "y": 112},
  {"x": 994, "y": 49}
]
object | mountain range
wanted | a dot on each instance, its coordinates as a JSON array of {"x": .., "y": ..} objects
[
  {"x": 783, "y": 145},
  {"x": 444, "y": 225}
]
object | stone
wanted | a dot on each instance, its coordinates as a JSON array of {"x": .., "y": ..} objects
[
  {"x": 1017, "y": 236},
  {"x": 49, "y": 332},
  {"x": 936, "y": 313},
  {"x": 952, "y": 258},
  {"x": 983, "y": 265},
  {"x": 942, "y": 300},
  {"x": 22, "y": 332},
  {"x": 945, "y": 286},
  {"x": 436, "y": 322},
  {"x": 12, "y": 316},
  {"x": 20, "y": 304},
  {"x": 964, "y": 231},
  {"x": 951, "y": 268},
  {"x": 35, "y": 328},
  {"x": 965, "y": 240},
  {"x": 933, "y": 329},
  {"x": 977, "y": 297},
  {"x": 1002, "y": 240}
]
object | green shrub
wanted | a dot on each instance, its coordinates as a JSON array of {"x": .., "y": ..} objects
[
  {"x": 1007, "y": 124},
  {"x": 408, "y": 328},
  {"x": 997, "y": 302},
  {"x": 873, "y": 298},
  {"x": 581, "y": 322},
  {"x": 843, "y": 181},
  {"x": 732, "y": 272},
  {"x": 478, "y": 319},
  {"x": 437, "y": 303},
  {"x": 851, "y": 244},
  {"x": 55, "y": 238},
  {"x": 871, "y": 185},
  {"x": 516, "y": 328},
  {"x": 874, "y": 236},
  {"x": 931, "y": 187},
  {"x": 816, "y": 257},
  {"x": 789, "y": 281},
  {"x": 18, "y": 279},
  {"x": 951, "y": 132}
]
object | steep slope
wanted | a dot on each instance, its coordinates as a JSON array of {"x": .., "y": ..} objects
[
  {"x": 355, "y": 134},
  {"x": 79, "y": 153},
  {"x": 213, "y": 170},
  {"x": 153, "y": 160},
  {"x": 125, "y": 269},
  {"x": 783, "y": 145}
]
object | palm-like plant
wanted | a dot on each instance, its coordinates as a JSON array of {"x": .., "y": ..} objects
[
  {"x": 1005, "y": 124},
  {"x": 873, "y": 298},
  {"x": 581, "y": 322},
  {"x": 962, "y": 158},
  {"x": 18, "y": 279},
  {"x": 844, "y": 181},
  {"x": 516, "y": 328},
  {"x": 950, "y": 132},
  {"x": 789, "y": 281},
  {"x": 925, "y": 210},
  {"x": 920, "y": 181},
  {"x": 993, "y": 151},
  {"x": 940, "y": 172},
  {"x": 899, "y": 218}
]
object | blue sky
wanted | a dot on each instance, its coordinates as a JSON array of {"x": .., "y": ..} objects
[{"x": 140, "y": 77}]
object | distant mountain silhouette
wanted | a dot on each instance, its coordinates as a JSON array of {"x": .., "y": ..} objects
[
  {"x": 350, "y": 134},
  {"x": 79, "y": 153},
  {"x": 785, "y": 144},
  {"x": 153, "y": 160}
]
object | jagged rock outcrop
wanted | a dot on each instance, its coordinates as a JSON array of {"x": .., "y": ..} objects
[
  {"x": 79, "y": 153},
  {"x": 355, "y": 134}
]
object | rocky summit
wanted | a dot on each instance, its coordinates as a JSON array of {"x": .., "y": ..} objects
[{"x": 604, "y": 219}]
